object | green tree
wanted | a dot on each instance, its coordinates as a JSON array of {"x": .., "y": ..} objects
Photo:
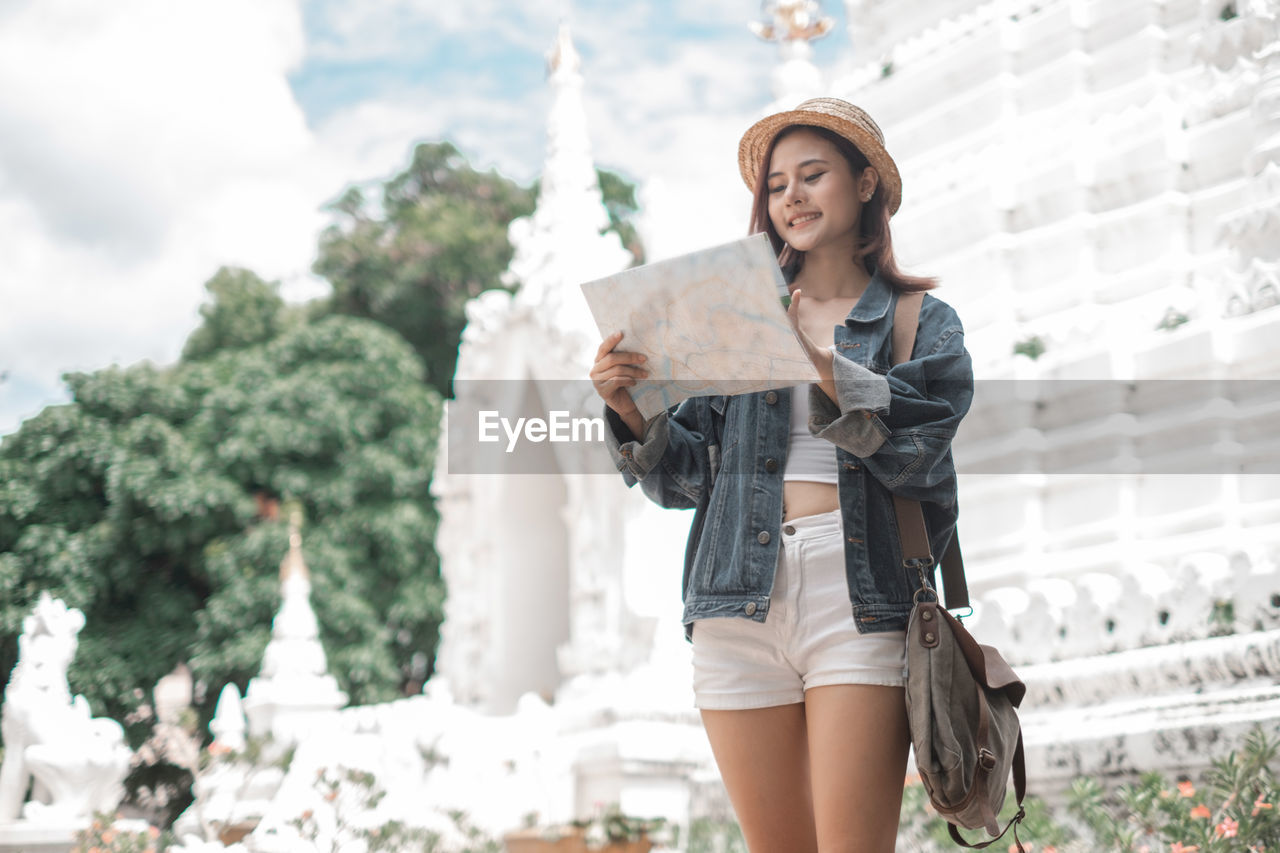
[
  {"x": 148, "y": 503},
  {"x": 620, "y": 200},
  {"x": 437, "y": 239},
  {"x": 245, "y": 310}
]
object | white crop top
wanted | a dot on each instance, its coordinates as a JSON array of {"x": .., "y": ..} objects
[{"x": 808, "y": 457}]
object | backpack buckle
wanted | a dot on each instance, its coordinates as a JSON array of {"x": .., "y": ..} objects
[{"x": 920, "y": 565}]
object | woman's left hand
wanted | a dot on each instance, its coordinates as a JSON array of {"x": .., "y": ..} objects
[{"x": 822, "y": 358}]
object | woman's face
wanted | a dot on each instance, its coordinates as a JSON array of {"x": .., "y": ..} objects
[{"x": 813, "y": 193}]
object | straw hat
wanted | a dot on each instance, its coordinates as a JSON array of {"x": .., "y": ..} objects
[{"x": 844, "y": 118}]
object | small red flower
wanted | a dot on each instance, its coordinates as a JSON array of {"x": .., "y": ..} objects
[
  {"x": 1177, "y": 847},
  {"x": 1227, "y": 829},
  {"x": 1187, "y": 789},
  {"x": 1259, "y": 805},
  {"x": 1201, "y": 811}
]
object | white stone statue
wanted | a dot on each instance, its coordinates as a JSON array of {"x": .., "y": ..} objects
[
  {"x": 228, "y": 724},
  {"x": 76, "y": 762}
]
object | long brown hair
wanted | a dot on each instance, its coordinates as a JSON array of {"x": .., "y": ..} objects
[{"x": 875, "y": 243}]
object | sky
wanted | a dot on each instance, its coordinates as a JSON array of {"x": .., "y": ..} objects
[{"x": 146, "y": 143}]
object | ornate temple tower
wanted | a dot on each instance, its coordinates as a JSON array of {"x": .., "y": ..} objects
[{"x": 535, "y": 587}]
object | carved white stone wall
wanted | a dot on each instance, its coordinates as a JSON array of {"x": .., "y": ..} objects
[
  {"x": 1155, "y": 667},
  {"x": 1104, "y": 176}
]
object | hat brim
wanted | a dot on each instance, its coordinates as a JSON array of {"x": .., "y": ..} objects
[{"x": 756, "y": 141}]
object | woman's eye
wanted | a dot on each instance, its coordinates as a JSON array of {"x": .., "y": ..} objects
[
  {"x": 814, "y": 176},
  {"x": 777, "y": 189}
]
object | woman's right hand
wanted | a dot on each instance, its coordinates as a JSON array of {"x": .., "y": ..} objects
[{"x": 612, "y": 374}]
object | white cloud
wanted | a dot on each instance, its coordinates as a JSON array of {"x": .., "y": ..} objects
[
  {"x": 378, "y": 29},
  {"x": 143, "y": 143}
]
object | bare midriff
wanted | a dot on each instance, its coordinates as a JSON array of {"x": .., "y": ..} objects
[{"x": 803, "y": 497}]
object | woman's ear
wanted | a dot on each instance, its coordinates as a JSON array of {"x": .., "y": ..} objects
[{"x": 867, "y": 183}]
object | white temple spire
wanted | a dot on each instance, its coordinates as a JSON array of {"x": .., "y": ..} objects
[
  {"x": 564, "y": 58},
  {"x": 561, "y": 244},
  {"x": 294, "y": 686}
]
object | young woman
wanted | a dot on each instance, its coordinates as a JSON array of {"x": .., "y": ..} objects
[{"x": 795, "y": 595}]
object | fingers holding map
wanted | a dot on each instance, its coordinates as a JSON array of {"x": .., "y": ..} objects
[{"x": 708, "y": 322}]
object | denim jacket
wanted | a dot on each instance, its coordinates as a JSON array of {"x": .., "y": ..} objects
[{"x": 724, "y": 457}]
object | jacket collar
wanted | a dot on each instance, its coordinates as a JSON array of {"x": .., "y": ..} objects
[{"x": 874, "y": 303}]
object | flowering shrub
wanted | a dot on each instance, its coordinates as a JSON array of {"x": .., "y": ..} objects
[
  {"x": 352, "y": 796},
  {"x": 1233, "y": 810},
  {"x": 103, "y": 836},
  {"x": 610, "y": 825}
]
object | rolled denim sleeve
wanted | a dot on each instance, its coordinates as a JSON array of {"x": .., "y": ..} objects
[
  {"x": 852, "y": 423},
  {"x": 904, "y": 441},
  {"x": 670, "y": 462}
]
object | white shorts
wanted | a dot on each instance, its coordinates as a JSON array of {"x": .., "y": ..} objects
[{"x": 809, "y": 638}]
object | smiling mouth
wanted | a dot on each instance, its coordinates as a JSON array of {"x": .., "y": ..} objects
[{"x": 801, "y": 220}]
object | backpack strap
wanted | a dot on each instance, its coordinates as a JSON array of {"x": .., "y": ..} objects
[{"x": 912, "y": 534}]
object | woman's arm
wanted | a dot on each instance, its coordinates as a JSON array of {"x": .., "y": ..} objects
[
  {"x": 667, "y": 455},
  {"x": 901, "y": 424},
  {"x": 672, "y": 461}
]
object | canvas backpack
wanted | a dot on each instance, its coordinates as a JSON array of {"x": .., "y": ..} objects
[{"x": 962, "y": 696}]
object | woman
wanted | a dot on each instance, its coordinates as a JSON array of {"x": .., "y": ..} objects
[{"x": 795, "y": 596}]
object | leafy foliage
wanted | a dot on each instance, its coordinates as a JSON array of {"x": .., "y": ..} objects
[
  {"x": 1234, "y": 811},
  {"x": 351, "y": 798},
  {"x": 921, "y": 828},
  {"x": 244, "y": 311},
  {"x": 150, "y": 502},
  {"x": 102, "y": 836},
  {"x": 437, "y": 238}
]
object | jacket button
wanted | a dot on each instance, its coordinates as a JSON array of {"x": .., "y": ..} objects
[
  {"x": 771, "y": 465},
  {"x": 763, "y": 537},
  {"x": 771, "y": 398},
  {"x": 789, "y": 529},
  {"x": 750, "y": 609}
]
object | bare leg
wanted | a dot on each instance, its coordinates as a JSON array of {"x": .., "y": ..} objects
[
  {"x": 764, "y": 761},
  {"x": 858, "y": 742}
]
